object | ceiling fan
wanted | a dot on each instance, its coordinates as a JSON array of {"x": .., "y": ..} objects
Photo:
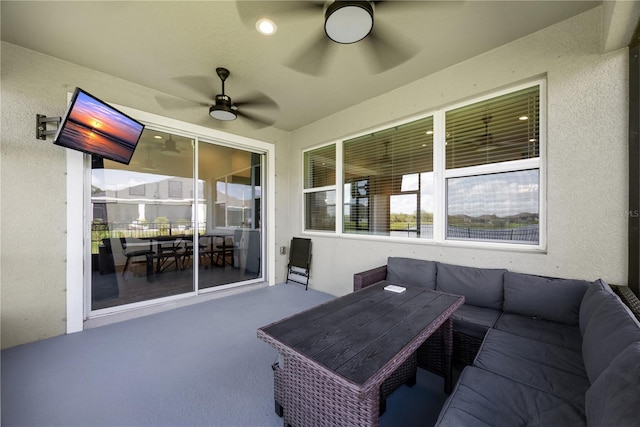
[
  {"x": 223, "y": 107},
  {"x": 486, "y": 141},
  {"x": 170, "y": 148},
  {"x": 345, "y": 23}
]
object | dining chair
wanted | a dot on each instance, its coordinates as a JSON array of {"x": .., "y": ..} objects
[
  {"x": 168, "y": 253},
  {"x": 187, "y": 254},
  {"x": 130, "y": 254},
  {"x": 225, "y": 247}
]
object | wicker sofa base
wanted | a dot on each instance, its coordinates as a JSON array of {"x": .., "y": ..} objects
[
  {"x": 629, "y": 298},
  {"x": 465, "y": 347},
  {"x": 430, "y": 354}
]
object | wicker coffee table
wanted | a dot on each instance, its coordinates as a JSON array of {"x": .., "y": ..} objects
[{"x": 336, "y": 356}]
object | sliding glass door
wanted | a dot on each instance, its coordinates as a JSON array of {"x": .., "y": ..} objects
[
  {"x": 230, "y": 238},
  {"x": 182, "y": 218}
]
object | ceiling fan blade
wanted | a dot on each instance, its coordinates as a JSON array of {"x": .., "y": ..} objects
[
  {"x": 313, "y": 58},
  {"x": 384, "y": 4},
  {"x": 256, "y": 99},
  {"x": 172, "y": 103},
  {"x": 387, "y": 50},
  {"x": 255, "y": 120},
  {"x": 201, "y": 85},
  {"x": 251, "y": 11}
]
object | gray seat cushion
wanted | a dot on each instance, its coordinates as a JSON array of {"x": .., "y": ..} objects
[
  {"x": 537, "y": 329},
  {"x": 552, "y": 299},
  {"x": 547, "y": 367},
  {"x": 613, "y": 400},
  {"x": 611, "y": 329},
  {"x": 484, "y": 399},
  {"x": 480, "y": 286},
  {"x": 473, "y": 320},
  {"x": 597, "y": 292},
  {"x": 410, "y": 271}
]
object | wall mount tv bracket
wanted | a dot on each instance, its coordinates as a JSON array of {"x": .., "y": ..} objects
[{"x": 41, "y": 126}]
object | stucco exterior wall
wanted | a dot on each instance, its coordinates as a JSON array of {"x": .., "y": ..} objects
[
  {"x": 587, "y": 170},
  {"x": 33, "y": 184}
]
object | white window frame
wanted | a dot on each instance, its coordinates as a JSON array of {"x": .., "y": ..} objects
[
  {"x": 441, "y": 174},
  {"x": 337, "y": 188}
]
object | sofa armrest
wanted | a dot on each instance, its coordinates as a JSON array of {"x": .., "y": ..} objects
[{"x": 369, "y": 277}]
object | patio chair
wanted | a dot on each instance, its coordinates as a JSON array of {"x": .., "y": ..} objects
[
  {"x": 299, "y": 261},
  {"x": 169, "y": 252},
  {"x": 237, "y": 247},
  {"x": 187, "y": 254},
  {"x": 224, "y": 249},
  {"x": 229, "y": 247},
  {"x": 130, "y": 254}
]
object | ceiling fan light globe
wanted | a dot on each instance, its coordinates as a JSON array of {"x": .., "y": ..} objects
[
  {"x": 348, "y": 21},
  {"x": 170, "y": 152},
  {"x": 221, "y": 113}
]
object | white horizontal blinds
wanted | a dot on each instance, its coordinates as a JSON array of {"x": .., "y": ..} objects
[
  {"x": 499, "y": 129},
  {"x": 320, "y": 210},
  {"x": 320, "y": 167},
  {"x": 376, "y": 166},
  {"x": 319, "y": 173}
]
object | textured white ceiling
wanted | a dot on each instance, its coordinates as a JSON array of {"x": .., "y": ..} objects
[{"x": 162, "y": 44}]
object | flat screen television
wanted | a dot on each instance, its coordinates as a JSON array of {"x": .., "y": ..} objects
[{"x": 94, "y": 127}]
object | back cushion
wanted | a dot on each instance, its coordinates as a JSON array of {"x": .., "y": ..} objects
[
  {"x": 613, "y": 399},
  {"x": 546, "y": 298},
  {"x": 410, "y": 271},
  {"x": 480, "y": 286},
  {"x": 611, "y": 329},
  {"x": 598, "y": 291}
]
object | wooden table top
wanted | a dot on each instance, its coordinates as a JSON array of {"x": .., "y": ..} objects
[{"x": 356, "y": 335}]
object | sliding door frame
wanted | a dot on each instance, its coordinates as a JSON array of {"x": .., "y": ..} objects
[{"x": 79, "y": 210}]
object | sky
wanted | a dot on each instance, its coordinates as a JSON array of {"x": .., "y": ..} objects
[
  {"x": 500, "y": 194},
  {"x": 97, "y": 115}
]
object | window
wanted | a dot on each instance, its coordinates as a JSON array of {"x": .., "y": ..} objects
[
  {"x": 470, "y": 172},
  {"x": 320, "y": 189},
  {"x": 236, "y": 196},
  {"x": 386, "y": 182},
  {"x": 175, "y": 189},
  {"x": 492, "y": 169}
]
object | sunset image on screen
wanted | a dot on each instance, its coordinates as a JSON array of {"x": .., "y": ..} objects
[{"x": 94, "y": 127}]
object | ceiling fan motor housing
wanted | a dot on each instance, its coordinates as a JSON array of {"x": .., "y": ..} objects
[
  {"x": 348, "y": 22},
  {"x": 223, "y": 108}
]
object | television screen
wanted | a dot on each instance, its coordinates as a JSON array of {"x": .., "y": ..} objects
[{"x": 96, "y": 128}]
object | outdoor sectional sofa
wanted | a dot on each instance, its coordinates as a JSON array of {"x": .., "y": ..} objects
[{"x": 540, "y": 351}]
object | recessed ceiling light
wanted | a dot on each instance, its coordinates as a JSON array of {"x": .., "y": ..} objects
[
  {"x": 523, "y": 118},
  {"x": 157, "y": 137},
  {"x": 429, "y": 132},
  {"x": 266, "y": 27}
]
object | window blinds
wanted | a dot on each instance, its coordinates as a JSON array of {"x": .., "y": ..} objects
[{"x": 497, "y": 130}]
